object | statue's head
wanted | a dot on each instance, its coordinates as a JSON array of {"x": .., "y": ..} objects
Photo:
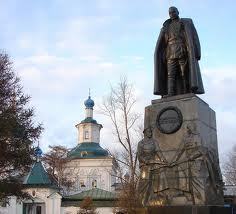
[
  {"x": 147, "y": 132},
  {"x": 173, "y": 13},
  {"x": 191, "y": 128}
]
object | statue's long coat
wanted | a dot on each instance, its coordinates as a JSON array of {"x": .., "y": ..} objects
[{"x": 194, "y": 54}]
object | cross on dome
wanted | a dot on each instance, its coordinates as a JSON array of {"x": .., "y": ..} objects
[{"x": 89, "y": 103}]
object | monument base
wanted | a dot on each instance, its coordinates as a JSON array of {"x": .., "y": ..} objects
[
  {"x": 186, "y": 210},
  {"x": 185, "y": 168}
]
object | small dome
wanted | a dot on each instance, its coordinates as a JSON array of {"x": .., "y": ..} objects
[
  {"x": 38, "y": 152},
  {"x": 89, "y": 103}
]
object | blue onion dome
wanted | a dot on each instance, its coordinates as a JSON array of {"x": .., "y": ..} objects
[
  {"x": 38, "y": 152},
  {"x": 89, "y": 103}
]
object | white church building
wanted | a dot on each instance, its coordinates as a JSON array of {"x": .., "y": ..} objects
[
  {"x": 91, "y": 168},
  {"x": 90, "y": 165}
]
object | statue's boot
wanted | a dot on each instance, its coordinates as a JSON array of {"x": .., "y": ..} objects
[
  {"x": 184, "y": 85},
  {"x": 171, "y": 82}
]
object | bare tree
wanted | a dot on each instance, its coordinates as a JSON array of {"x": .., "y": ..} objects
[
  {"x": 119, "y": 106},
  {"x": 229, "y": 167},
  {"x": 87, "y": 207},
  {"x": 55, "y": 161}
]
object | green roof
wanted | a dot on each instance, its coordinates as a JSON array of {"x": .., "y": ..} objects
[
  {"x": 89, "y": 120},
  {"x": 94, "y": 194},
  {"x": 88, "y": 150},
  {"x": 39, "y": 177}
]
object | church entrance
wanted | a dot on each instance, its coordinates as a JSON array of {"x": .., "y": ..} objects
[{"x": 34, "y": 208}]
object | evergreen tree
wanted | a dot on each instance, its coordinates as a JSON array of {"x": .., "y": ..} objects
[{"x": 18, "y": 131}]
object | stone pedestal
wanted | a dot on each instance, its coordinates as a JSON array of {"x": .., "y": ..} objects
[
  {"x": 187, "y": 210},
  {"x": 186, "y": 169}
]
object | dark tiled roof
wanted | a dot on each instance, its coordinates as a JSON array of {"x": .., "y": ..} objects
[{"x": 88, "y": 150}]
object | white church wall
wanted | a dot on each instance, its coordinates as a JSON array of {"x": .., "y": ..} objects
[
  {"x": 87, "y": 170},
  {"x": 69, "y": 210},
  {"x": 105, "y": 210},
  {"x": 81, "y": 133},
  {"x": 12, "y": 207},
  {"x": 95, "y": 133},
  {"x": 74, "y": 210},
  {"x": 4, "y": 210},
  {"x": 48, "y": 196},
  {"x": 92, "y": 135},
  {"x": 53, "y": 206},
  {"x": 89, "y": 112}
]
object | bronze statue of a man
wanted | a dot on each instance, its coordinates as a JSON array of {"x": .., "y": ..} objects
[{"x": 176, "y": 68}]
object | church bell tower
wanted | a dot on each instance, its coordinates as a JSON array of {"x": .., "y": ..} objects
[{"x": 88, "y": 129}]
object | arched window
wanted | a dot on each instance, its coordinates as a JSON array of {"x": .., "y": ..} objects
[
  {"x": 94, "y": 183},
  {"x": 86, "y": 134},
  {"x": 83, "y": 153},
  {"x": 82, "y": 183}
]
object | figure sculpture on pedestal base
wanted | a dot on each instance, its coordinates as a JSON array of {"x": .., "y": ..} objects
[{"x": 187, "y": 176}]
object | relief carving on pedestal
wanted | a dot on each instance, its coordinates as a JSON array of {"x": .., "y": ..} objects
[
  {"x": 150, "y": 156},
  {"x": 192, "y": 172}
]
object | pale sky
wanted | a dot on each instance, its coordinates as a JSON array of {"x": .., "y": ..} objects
[{"x": 61, "y": 48}]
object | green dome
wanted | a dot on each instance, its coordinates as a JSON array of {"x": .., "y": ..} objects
[{"x": 88, "y": 150}]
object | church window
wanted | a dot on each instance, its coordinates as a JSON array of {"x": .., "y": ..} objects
[
  {"x": 38, "y": 210},
  {"x": 82, "y": 183},
  {"x": 84, "y": 153},
  {"x": 94, "y": 183},
  {"x": 86, "y": 135}
]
